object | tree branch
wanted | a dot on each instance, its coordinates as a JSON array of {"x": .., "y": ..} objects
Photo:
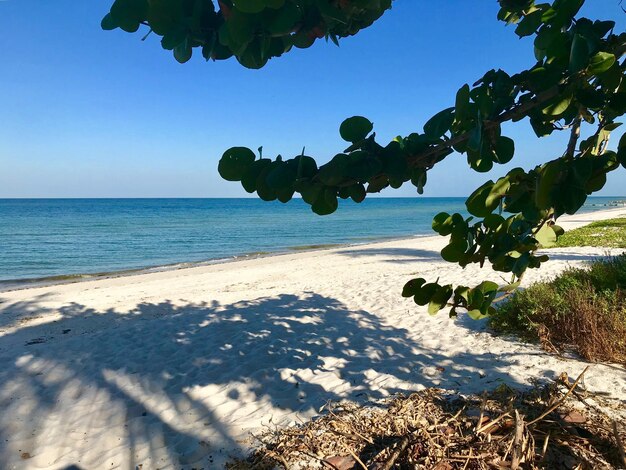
[
  {"x": 573, "y": 139},
  {"x": 428, "y": 158}
]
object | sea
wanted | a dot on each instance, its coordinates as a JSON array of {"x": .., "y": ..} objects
[{"x": 69, "y": 239}]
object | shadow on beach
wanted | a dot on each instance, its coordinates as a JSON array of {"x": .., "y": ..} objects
[
  {"x": 412, "y": 255},
  {"x": 151, "y": 377},
  {"x": 394, "y": 255}
]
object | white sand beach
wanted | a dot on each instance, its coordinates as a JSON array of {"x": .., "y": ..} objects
[{"x": 175, "y": 369}]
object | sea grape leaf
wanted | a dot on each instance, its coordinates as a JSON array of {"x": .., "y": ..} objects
[
  {"x": 601, "y": 62},
  {"x": 439, "y": 124},
  {"x": 355, "y": 129},
  {"x": 234, "y": 163}
]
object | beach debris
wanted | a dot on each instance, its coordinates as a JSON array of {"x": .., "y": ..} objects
[
  {"x": 345, "y": 462},
  {"x": 40, "y": 340},
  {"x": 552, "y": 426}
]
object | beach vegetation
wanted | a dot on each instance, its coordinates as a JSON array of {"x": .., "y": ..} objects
[
  {"x": 582, "y": 310},
  {"x": 609, "y": 233},
  {"x": 575, "y": 86}
]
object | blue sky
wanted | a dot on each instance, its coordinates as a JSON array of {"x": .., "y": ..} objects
[{"x": 89, "y": 113}]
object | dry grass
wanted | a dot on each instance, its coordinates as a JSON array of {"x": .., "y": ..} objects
[
  {"x": 552, "y": 427},
  {"x": 582, "y": 310}
]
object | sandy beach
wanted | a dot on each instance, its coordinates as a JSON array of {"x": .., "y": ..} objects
[{"x": 176, "y": 369}]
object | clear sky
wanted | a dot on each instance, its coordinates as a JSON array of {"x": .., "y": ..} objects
[{"x": 89, "y": 113}]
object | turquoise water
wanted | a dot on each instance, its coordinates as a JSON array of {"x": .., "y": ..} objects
[{"x": 42, "y": 238}]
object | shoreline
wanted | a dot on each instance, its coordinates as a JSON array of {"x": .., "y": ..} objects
[{"x": 11, "y": 285}]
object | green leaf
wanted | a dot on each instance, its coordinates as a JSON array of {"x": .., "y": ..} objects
[
  {"x": 307, "y": 167},
  {"x": 439, "y": 124},
  {"x": 442, "y": 224},
  {"x": 439, "y": 299},
  {"x": 425, "y": 293},
  {"x": 454, "y": 252},
  {"x": 546, "y": 236},
  {"x": 412, "y": 287},
  {"x": 355, "y": 129},
  {"x": 418, "y": 179},
  {"x": 285, "y": 19},
  {"x": 579, "y": 54},
  {"x": 462, "y": 102},
  {"x": 262, "y": 188},
  {"x": 282, "y": 177},
  {"x": 183, "y": 52},
  {"x": 529, "y": 24},
  {"x": 497, "y": 192},
  {"x": 174, "y": 38},
  {"x": 558, "y": 230},
  {"x": 250, "y": 176},
  {"x": 234, "y": 163},
  {"x": 547, "y": 178},
  {"x": 477, "y": 202},
  {"x": 327, "y": 203},
  {"x": 249, "y": 6},
  {"x": 108, "y": 23},
  {"x": 493, "y": 221},
  {"x": 332, "y": 173},
  {"x": 505, "y": 149},
  {"x": 475, "y": 141},
  {"x": 601, "y": 62},
  {"x": 487, "y": 287},
  {"x": 476, "y": 314},
  {"x": 357, "y": 192},
  {"x": 284, "y": 195},
  {"x": 558, "y": 106},
  {"x": 310, "y": 192},
  {"x": 621, "y": 151},
  {"x": 129, "y": 10}
]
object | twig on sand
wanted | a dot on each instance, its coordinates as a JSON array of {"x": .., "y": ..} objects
[
  {"x": 322, "y": 461},
  {"x": 545, "y": 446},
  {"x": 516, "y": 456},
  {"x": 469, "y": 457},
  {"x": 489, "y": 424},
  {"x": 482, "y": 411},
  {"x": 620, "y": 444},
  {"x": 560, "y": 401},
  {"x": 356, "y": 458},
  {"x": 392, "y": 460},
  {"x": 357, "y": 433}
]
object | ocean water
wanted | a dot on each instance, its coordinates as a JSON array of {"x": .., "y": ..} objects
[{"x": 42, "y": 238}]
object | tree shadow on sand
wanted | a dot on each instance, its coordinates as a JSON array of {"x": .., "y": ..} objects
[
  {"x": 168, "y": 384},
  {"x": 394, "y": 255}
]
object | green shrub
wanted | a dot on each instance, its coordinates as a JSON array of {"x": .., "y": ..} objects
[{"x": 583, "y": 309}]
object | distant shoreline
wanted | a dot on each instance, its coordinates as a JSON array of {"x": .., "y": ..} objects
[
  {"x": 32, "y": 283},
  {"x": 9, "y": 285}
]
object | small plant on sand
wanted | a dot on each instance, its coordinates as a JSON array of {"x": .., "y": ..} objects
[
  {"x": 605, "y": 233},
  {"x": 583, "y": 309},
  {"x": 574, "y": 84}
]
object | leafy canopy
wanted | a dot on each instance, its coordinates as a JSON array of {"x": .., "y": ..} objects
[
  {"x": 577, "y": 84},
  {"x": 253, "y": 31}
]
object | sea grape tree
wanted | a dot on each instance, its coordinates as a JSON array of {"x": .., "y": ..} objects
[{"x": 576, "y": 86}]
